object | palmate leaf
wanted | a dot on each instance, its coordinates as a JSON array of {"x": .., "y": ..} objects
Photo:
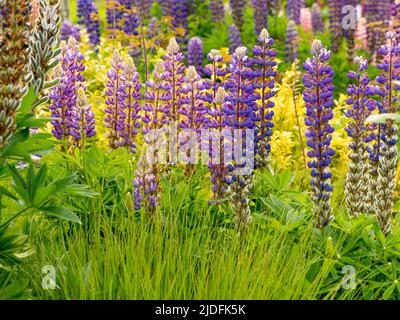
[{"x": 61, "y": 213}]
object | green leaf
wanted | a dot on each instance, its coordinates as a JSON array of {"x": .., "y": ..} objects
[
  {"x": 61, "y": 213},
  {"x": 80, "y": 190},
  {"x": 381, "y": 118},
  {"x": 7, "y": 193}
]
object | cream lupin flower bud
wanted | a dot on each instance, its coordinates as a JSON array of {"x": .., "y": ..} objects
[
  {"x": 173, "y": 46},
  {"x": 316, "y": 47},
  {"x": 191, "y": 74},
  {"x": 264, "y": 35},
  {"x": 220, "y": 96}
]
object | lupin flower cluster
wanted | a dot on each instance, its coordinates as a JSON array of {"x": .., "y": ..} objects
[
  {"x": 318, "y": 97},
  {"x": 241, "y": 114},
  {"x": 14, "y": 62},
  {"x": 360, "y": 106},
  {"x": 192, "y": 115},
  {"x": 195, "y": 54},
  {"x": 291, "y": 42},
  {"x": 316, "y": 19},
  {"x": 235, "y": 40},
  {"x": 71, "y": 121},
  {"x": 70, "y": 30},
  {"x": 122, "y": 103},
  {"x": 88, "y": 15},
  {"x": 83, "y": 124},
  {"x": 237, "y": 10},
  {"x": 146, "y": 183},
  {"x": 335, "y": 26},
  {"x": 387, "y": 90},
  {"x": 264, "y": 67},
  {"x": 294, "y": 9},
  {"x": 378, "y": 16},
  {"x": 174, "y": 77},
  {"x": 217, "y": 10},
  {"x": 260, "y": 15},
  {"x": 214, "y": 98}
]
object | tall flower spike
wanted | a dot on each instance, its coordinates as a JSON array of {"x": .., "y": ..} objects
[
  {"x": 174, "y": 76},
  {"x": 146, "y": 182},
  {"x": 64, "y": 95},
  {"x": 316, "y": 18},
  {"x": 83, "y": 123},
  {"x": 44, "y": 39},
  {"x": 217, "y": 10},
  {"x": 237, "y": 10},
  {"x": 361, "y": 106},
  {"x": 235, "y": 40},
  {"x": 192, "y": 117},
  {"x": 129, "y": 123},
  {"x": 115, "y": 93},
  {"x": 179, "y": 11},
  {"x": 146, "y": 190},
  {"x": 240, "y": 115},
  {"x": 388, "y": 88},
  {"x": 264, "y": 66},
  {"x": 294, "y": 9},
  {"x": 335, "y": 26},
  {"x": 260, "y": 15},
  {"x": 214, "y": 99},
  {"x": 130, "y": 17},
  {"x": 14, "y": 62},
  {"x": 195, "y": 54},
  {"x": 291, "y": 42},
  {"x": 318, "y": 97},
  {"x": 88, "y": 16},
  {"x": 378, "y": 16}
]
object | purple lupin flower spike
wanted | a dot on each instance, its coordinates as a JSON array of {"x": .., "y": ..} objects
[
  {"x": 217, "y": 10},
  {"x": 241, "y": 117},
  {"x": 238, "y": 7},
  {"x": 316, "y": 19},
  {"x": 88, "y": 15},
  {"x": 157, "y": 99},
  {"x": 264, "y": 66},
  {"x": 144, "y": 7},
  {"x": 214, "y": 99},
  {"x": 195, "y": 54},
  {"x": 335, "y": 26},
  {"x": 260, "y": 15},
  {"x": 174, "y": 77},
  {"x": 293, "y": 10},
  {"x": 361, "y": 105},
  {"x": 234, "y": 38},
  {"x": 130, "y": 106},
  {"x": 64, "y": 95},
  {"x": 318, "y": 97},
  {"x": 179, "y": 11},
  {"x": 83, "y": 123},
  {"x": 378, "y": 17},
  {"x": 192, "y": 118},
  {"x": 130, "y": 17},
  {"x": 70, "y": 30},
  {"x": 147, "y": 175},
  {"x": 146, "y": 185},
  {"x": 115, "y": 95},
  {"x": 114, "y": 15},
  {"x": 387, "y": 91},
  {"x": 291, "y": 42}
]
